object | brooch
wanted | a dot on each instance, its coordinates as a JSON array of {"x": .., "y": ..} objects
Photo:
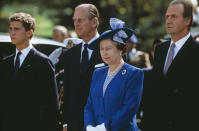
[{"x": 124, "y": 72}]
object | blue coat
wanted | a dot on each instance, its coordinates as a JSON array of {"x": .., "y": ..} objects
[{"x": 118, "y": 108}]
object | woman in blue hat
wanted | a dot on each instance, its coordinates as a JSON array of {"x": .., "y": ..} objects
[{"x": 116, "y": 89}]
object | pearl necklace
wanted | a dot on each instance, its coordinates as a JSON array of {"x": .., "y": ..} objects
[{"x": 116, "y": 70}]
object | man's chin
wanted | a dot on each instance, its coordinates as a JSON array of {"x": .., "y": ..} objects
[
  {"x": 169, "y": 31},
  {"x": 13, "y": 43}
]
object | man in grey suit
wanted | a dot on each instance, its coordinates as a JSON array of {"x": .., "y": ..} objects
[
  {"x": 79, "y": 63},
  {"x": 175, "y": 67},
  {"x": 28, "y": 90}
]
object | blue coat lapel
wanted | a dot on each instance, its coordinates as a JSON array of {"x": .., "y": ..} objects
[
  {"x": 118, "y": 77},
  {"x": 102, "y": 80}
]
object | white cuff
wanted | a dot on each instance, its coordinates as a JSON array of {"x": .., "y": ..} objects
[
  {"x": 101, "y": 127},
  {"x": 64, "y": 125},
  {"x": 90, "y": 128}
]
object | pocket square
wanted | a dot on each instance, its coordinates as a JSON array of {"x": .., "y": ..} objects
[
  {"x": 99, "y": 65},
  {"x": 26, "y": 67}
]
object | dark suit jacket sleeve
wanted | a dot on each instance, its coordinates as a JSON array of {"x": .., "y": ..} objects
[
  {"x": 48, "y": 96},
  {"x": 88, "y": 110},
  {"x": 1, "y": 82},
  {"x": 66, "y": 87}
]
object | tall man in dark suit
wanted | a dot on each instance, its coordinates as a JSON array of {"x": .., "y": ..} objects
[
  {"x": 29, "y": 92},
  {"x": 175, "y": 66},
  {"x": 79, "y": 63}
]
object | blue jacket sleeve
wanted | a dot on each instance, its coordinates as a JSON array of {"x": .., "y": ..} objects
[{"x": 131, "y": 102}]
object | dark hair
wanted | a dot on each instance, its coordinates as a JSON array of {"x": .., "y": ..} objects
[
  {"x": 188, "y": 9},
  {"x": 26, "y": 19},
  {"x": 121, "y": 47}
]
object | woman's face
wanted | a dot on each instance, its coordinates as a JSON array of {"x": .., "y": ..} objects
[{"x": 109, "y": 52}]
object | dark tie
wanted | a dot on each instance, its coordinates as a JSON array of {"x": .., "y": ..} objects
[
  {"x": 85, "y": 56},
  {"x": 170, "y": 58},
  {"x": 17, "y": 62}
]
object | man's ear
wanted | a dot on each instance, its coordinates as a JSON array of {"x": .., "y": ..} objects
[
  {"x": 95, "y": 22},
  {"x": 188, "y": 21},
  {"x": 30, "y": 33}
]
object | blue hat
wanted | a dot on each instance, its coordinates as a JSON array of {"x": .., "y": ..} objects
[
  {"x": 133, "y": 39},
  {"x": 119, "y": 33}
]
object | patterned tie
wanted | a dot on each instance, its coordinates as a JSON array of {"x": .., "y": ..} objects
[
  {"x": 85, "y": 56},
  {"x": 170, "y": 58},
  {"x": 17, "y": 62}
]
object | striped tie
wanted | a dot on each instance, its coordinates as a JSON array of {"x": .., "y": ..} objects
[{"x": 170, "y": 58}]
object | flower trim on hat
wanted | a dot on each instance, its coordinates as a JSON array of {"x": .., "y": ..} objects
[{"x": 116, "y": 24}]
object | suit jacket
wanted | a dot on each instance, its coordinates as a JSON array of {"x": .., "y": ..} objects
[
  {"x": 175, "y": 106},
  {"x": 77, "y": 85},
  {"x": 119, "y": 105},
  {"x": 147, "y": 97},
  {"x": 28, "y": 97}
]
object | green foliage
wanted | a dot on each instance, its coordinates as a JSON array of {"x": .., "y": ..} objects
[
  {"x": 146, "y": 17},
  {"x": 44, "y": 24}
]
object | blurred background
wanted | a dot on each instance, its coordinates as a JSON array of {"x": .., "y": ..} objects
[{"x": 147, "y": 18}]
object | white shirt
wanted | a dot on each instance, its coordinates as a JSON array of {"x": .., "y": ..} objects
[
  {"x": 89, "y": 50},
  {"x": 23, "y": 55},
  {"x": 132, "y": 53},
  {"x": 178, "y": 46}
]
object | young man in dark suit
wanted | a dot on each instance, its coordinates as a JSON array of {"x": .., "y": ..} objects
[
  {"x": 175, "y": 67},
  {"x": 79, "y": 63},
  {"x": 29, "y": 91}
]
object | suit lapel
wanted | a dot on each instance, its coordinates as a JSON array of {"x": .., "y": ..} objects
[
  {"x": 164, "y": 55},
  {"x": 181, "y": 55},
  {"x": 102, "y": 80},
  {"x": 75, "y": 58},
  {"x": 95, "y": 57},
  {"x": 27, "y": 63},
  {"x": 11, "y": 64}
]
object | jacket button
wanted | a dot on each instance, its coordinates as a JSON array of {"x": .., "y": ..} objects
[{"x": 175, "y": 90}]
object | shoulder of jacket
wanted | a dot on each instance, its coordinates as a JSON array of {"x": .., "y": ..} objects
[
  {"x": 132, "y": 69},
  {"x": 8, "y": 57},
  {"x": 101, "y": 69}
]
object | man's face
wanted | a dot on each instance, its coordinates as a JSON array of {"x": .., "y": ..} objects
[
  {"x": 58, "y": 36},
  {"x": 83, "y": 26},
  {"x": 176, "y": 24},
  {"x": 18, "y": 34}
]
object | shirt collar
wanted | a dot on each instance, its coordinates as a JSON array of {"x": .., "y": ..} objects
[
  {"x": 26, "y": 50},
  {"x": 90, "y": 41},
  {"x": 181, "y": 42}
]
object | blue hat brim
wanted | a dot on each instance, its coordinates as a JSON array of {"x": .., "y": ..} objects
[{"x": 109, "y": 35}]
